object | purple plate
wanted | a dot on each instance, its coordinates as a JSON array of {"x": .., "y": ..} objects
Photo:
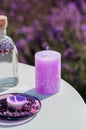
[{"x": 27, "y": 111}]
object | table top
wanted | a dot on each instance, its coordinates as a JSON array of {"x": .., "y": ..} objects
[{"x": 65, "y": 110}]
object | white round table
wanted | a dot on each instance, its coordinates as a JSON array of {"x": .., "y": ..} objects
[{"x": 65, "y": 110}]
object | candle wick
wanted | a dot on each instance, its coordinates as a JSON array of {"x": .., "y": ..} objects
[
  {"x": 15, "y": 99},
  {"x": 47, "y": 48},
  {"x": 45, "y": 53}
]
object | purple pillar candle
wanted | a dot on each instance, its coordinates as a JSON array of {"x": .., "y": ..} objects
[{"x": 48, "y": 72}]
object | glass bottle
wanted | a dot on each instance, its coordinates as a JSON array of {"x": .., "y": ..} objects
[{"x": 8, "y": 57}]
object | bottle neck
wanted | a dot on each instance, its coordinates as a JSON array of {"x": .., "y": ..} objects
[{"x": 2, "y": 32}]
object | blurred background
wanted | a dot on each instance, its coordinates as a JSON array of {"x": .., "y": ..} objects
[{"x": 59, "y": 25}]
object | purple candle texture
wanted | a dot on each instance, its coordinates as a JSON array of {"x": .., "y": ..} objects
[
  {"x": 48, "y": 72},
  {"x": 16, "y": 102}
]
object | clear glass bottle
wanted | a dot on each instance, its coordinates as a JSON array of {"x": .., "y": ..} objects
[{"x": 8, "y": 57}]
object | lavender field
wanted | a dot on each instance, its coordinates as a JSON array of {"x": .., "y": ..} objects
[{"x": 59, "y": 25}]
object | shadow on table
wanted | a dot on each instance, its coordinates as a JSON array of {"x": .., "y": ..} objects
[{"x": 34, "y": 93}]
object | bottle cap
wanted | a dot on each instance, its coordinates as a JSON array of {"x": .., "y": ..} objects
[{"x": 3, "y": 21}]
